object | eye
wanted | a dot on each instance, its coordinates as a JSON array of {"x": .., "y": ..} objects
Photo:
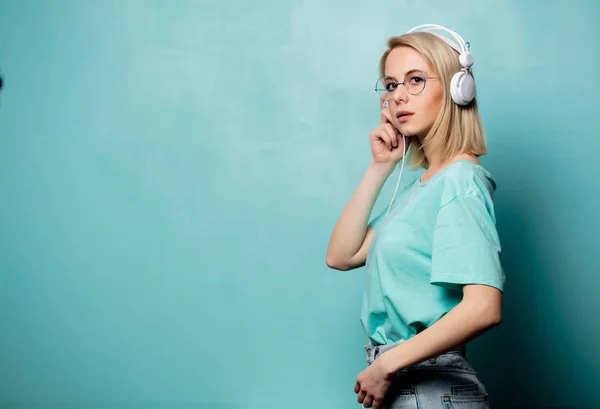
[
  {"x": 415, "y": 79},
  {"x": 391, "y": 86}
]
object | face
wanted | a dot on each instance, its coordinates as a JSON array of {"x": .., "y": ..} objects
[{"x": 413, "y": 115}]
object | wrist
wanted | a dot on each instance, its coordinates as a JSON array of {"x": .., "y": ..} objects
[
  {"x": 388, "y": 364},
  {"x": 382, "y": 168}
]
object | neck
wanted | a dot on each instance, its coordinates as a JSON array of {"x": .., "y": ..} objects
[{"x": 436, "y": 161}]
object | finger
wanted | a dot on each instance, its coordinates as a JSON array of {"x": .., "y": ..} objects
[
  {"x": 385, "y": 138},
  {"x": 389, "y": 132},
  {"x": 400, "y": 152},
  {"x": 378, "y": 404},
  {"x": 361, "y": 396},
  {"x": 368, "y": 402},
  {"x": 393, "y": 132},
  {"x": 386, "y": 116},
  {"x": 356, "y": 387}
]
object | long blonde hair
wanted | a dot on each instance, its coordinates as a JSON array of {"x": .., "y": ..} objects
[{"x": 457, "y": 129}]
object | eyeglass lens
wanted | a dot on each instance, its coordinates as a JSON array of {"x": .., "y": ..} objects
[{"x": 414, "y": 82}]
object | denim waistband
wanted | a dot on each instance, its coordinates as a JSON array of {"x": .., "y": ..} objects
[{"x": 374, "y": 351}]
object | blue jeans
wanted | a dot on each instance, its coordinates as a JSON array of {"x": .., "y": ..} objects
[{"x": 447, "y": 381}]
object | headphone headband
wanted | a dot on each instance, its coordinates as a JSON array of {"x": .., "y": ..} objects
[{"x": 459, "y": 45}]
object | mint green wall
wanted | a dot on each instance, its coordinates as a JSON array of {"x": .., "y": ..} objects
[{"x": 170, "y": 173}]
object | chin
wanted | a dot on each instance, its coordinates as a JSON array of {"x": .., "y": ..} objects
[
  {"x": 407, "y": 130},
  {"x": 412, "y": 130}
]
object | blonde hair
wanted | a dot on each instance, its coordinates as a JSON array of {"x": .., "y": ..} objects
[{"x": 457, "y": 129}]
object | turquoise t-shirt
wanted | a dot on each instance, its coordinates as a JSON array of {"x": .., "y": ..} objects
[{"x": 439, "y": 235}]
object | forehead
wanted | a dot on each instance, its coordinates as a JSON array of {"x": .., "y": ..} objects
[{"x": 404, "y": 59}]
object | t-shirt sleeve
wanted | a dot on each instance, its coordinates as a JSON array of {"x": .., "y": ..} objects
[{"x": 466, "y": 247}]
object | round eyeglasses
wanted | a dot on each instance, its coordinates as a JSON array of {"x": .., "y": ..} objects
[{"x": 414, "y": 82}]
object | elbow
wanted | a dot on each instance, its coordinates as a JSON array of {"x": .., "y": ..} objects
[
  {"x": 335, "y": 264},
  {"x": 487, "y": 315},
  {"x": 493, "y": 319},
  {"x": 494, "y": 311},
  {"x": 491, "y": 315},
  {"x": 483, "y": 304}
]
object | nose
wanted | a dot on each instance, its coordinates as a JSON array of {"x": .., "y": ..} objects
[{"x": 400, "y": 94}]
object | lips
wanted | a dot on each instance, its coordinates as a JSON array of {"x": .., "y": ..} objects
[
  {"x": 400, "y": 114},
  {"x": 403, "y": 116}
]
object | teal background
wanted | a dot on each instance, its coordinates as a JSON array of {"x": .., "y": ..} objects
[{"x": 170, "y": 173}]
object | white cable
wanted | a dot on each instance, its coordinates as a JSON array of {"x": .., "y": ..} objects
[{"x": 400, "y": 175}]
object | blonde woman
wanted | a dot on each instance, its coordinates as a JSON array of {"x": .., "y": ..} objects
[{"x": 434, "y": 279}]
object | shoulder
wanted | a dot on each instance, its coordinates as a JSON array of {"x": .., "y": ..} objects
[{"x": 464, "y": 179}]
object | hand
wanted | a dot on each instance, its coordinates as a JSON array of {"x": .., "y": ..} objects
[
  {"x": 386, "y": 140},
  {"x": 373, "y": 383}
]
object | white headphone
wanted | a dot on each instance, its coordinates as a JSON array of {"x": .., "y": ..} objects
[{"x": 462, "y": 86}]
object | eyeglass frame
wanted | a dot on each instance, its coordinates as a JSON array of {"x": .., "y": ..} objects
[{"x": 425, "y": 77}]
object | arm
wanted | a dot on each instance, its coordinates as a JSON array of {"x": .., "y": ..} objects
[
  {"x": 480, "y": 310},
  {"x": 351, "y": 235}
]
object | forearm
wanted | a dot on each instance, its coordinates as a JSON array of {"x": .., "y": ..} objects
[
  {"x": 349, "y": 232},
  {"x": 460, "y": 325}
]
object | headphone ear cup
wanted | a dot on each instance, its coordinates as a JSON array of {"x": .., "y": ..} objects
[{"x": 462, "y": 88}]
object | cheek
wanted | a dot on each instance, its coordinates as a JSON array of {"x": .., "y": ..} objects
[{"x": 434, "y": 104}]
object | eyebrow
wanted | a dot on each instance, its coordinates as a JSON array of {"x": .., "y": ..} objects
[{"x": 407, "y": 72}]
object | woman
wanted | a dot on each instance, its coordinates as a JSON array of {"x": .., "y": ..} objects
[{"x": 434, "y": 279}]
